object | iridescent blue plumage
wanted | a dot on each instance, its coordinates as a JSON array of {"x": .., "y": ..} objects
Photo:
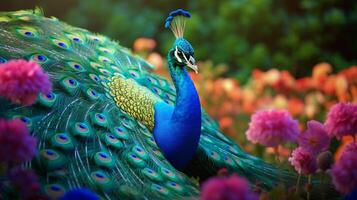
[
  {"x": 184, "y": 46},
  {"x": 177, "y": 128}
]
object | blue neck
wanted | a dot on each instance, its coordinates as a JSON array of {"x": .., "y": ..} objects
[
  {"x": 187, "y": 107},
  {"x": 177, "y": 130}
]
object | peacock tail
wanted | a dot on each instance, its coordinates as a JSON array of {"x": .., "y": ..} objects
[{"x": 94, "y": 129}]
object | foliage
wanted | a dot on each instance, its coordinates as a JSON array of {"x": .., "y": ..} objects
[{"x": 244, "y": 34}]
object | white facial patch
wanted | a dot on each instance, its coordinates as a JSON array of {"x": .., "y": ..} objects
[{"x": 176, "y": 55}]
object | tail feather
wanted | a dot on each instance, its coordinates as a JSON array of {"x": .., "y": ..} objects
[{"x": 216, "y": 151}]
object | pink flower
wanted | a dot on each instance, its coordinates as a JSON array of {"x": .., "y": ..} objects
[
  {"x": 342, "y": 120},
  {"x": 272, "y": 127},
  {"x": 344, "y": 174},
  {"x": 227, "y": 188},
  {"x": 303, "y": 161},
  {"x": 314, "y": 138},
  {"x": 16, "y": 144},
  {"x": 21, "y": 81},
  {"x": 25, "y": 181}
]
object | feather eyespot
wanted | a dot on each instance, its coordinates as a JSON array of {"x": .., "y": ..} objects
[
  {"x": 47, "y": 100},
  {"x": 92, "y": 94},
  {"x": 105, "y": 72},
  {"x": 100, "y": 177},
  {"x": 169, "y": 174},
  {"x": 62, "y": 141},
  {"x": 152, "y": 80},
  {"x": 71, "y": 82},
  {"x": 50, "y": 96},
  {"x": 214, "y": 155},
  {"x": 82, "y": 127},
  {"x": 54, "y": 190},
  {"x": 99, "y": 119},
  {"x": 113, "y": 141},
  {"x": 175, "y": 186},
  {"x": 160, "y": 189},
  {"x": 39, "y": 58},
  {"x": 140, "y": 152},
  {"x": 76, "y": 66},
  {"x": 96, "y": 39},
  {"x": 62, "y": 138},
  {"x": 77, "y": 39},
  {"x": 120, "y": 133},
  {"x": 49, "y": 154},
  {"x": 134, "y": 74},
  {"x": 151, "y": 174},
  {"x": 228, "y": 161},
  {"x": 27, "y": 32},
  {"x": 157, "y": 90},
  {"x": 135, "y": 161},
  {"x": 94, "y": 77},
  {"x": 26, "y": 120},
  {"x": 105, "y": 50},
  {"x": 82, "y": 130},
  {"x": 104, "y": 59},
  {"x": 103, "y": 159},
  {"x": 60, "y": 44}
]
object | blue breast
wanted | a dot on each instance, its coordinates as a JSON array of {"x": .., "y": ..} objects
[{"x": 177, "y": 129}]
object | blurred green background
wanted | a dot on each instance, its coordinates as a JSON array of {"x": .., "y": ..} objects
[{"x": 245, "y": 34}]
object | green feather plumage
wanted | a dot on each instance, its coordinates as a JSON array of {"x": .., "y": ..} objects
[{"x": 117, "y": 156}]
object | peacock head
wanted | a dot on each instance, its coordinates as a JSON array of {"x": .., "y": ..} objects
[{"x": 182, "y": 51}]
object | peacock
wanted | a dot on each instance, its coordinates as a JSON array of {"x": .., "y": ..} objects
[{"x": 112, "y": 125}]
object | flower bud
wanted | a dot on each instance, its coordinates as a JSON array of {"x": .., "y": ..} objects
[{"x": 324, "y": 160}]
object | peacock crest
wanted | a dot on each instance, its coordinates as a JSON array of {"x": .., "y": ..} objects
[{"x": 176, "y": 21}]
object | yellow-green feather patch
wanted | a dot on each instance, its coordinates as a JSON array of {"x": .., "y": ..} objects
[{"x": 134, "y": 99}]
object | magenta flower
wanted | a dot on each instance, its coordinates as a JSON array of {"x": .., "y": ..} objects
[
  {"x": 303, "y": 161},
  {"x": 25, "y": 181},
  {"x": 17, "y": 145},
  {"x": 342, "y": 120},
  {"x": 227, "y": 188},
  {"x": 344, "y": 174},
  {"x": 314, "y": 138},
  {"x": 351, "y": 147},
  {"x": 21, "y": 81},
  {"x": 272, "y": 127}
]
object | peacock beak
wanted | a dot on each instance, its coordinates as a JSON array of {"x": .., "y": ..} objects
[
  {"x": 191, "y": 63},
  {"x": 193, "y": 67}
]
